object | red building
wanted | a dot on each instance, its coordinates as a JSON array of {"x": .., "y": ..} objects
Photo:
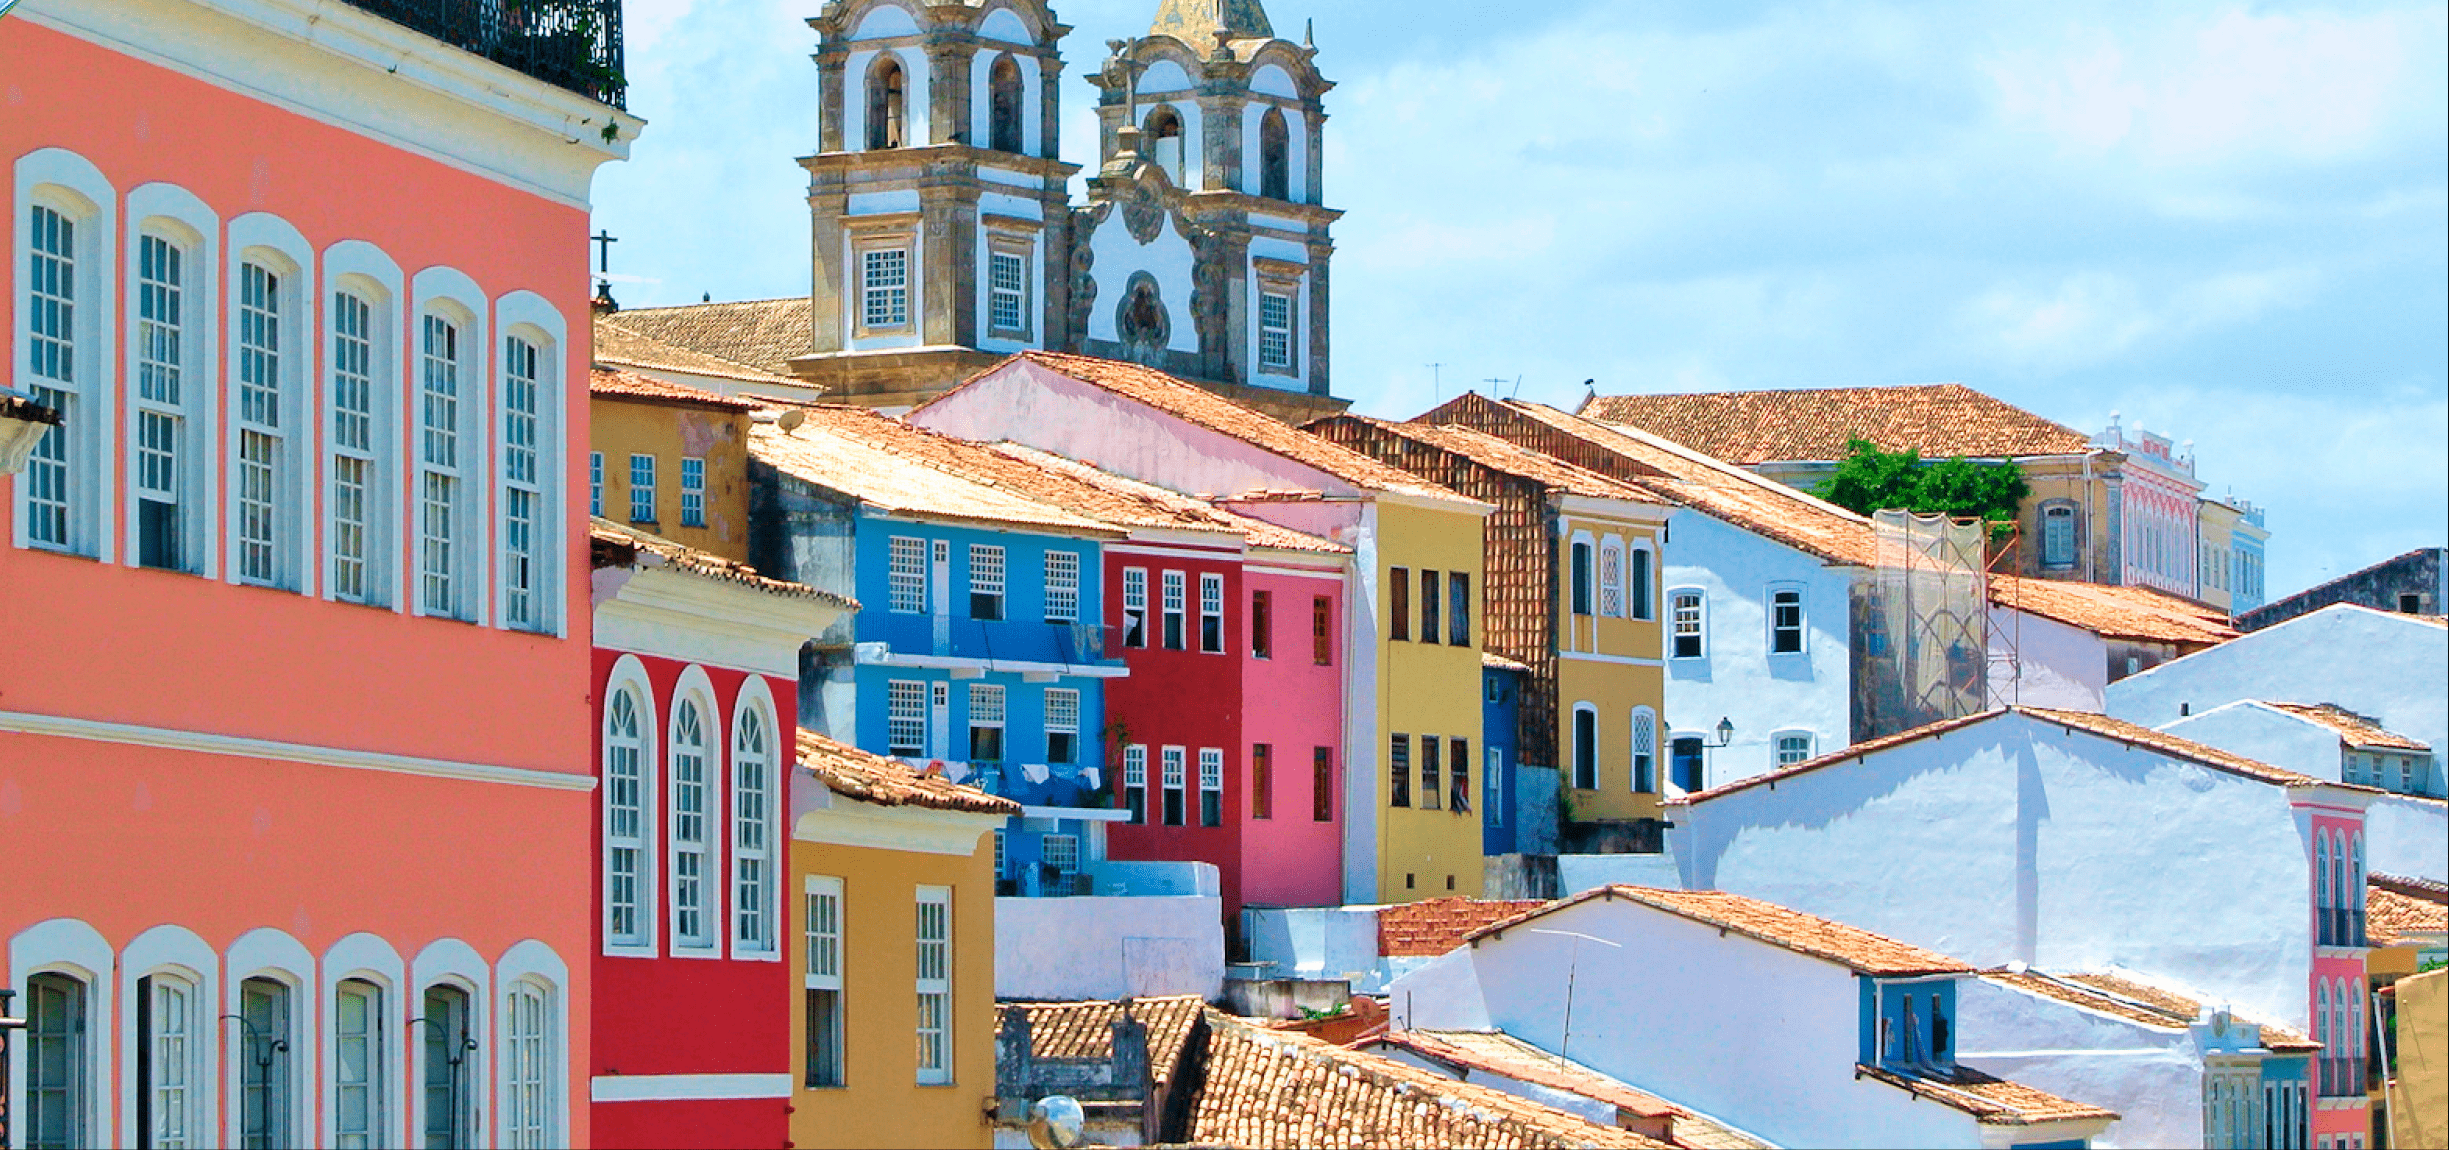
[{"x": 696, "y": 688}]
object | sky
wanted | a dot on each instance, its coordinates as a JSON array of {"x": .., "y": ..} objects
[{"x": 2226, "y": 224}]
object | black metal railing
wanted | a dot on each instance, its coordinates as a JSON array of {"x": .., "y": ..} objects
[{"x": 574, "y": 45}]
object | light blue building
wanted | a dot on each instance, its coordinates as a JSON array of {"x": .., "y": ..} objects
[{"x": 979, "y": 652}]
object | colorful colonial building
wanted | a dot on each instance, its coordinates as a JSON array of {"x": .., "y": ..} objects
[{"x": 293, "y": 731}]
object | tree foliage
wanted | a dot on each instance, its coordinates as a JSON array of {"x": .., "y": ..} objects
[{"x": 1869, "y": 480}]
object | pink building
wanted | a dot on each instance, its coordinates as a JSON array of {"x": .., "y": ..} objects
[{"x": 294, "y": 756}]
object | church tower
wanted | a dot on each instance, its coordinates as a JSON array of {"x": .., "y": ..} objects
[
  {"x": 1203, "y": 247},
  {"x": 938, "y": 199}
]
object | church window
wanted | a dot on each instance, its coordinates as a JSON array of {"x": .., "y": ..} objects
[
  {"x": 1276, "y": 331},
  {"x": 1275, "y": 156},
  {"x": 887, "y": 104},
  {"x": 1003, "y": 105},
  {"x": 1165, "y": 141},
  {"x": 884, "y": 288},
  {"x": 1007, "y": 291}
]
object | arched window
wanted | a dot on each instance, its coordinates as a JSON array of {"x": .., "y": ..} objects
[
  {"x": 526, "y": 531},
  {"x": 1644, "y": 577},
  {"x": 2321, "y": 886},
  {"x": 2058, "y": 535},
  {"x": 449, "y": 445},
  {"x": 360, "y": 1056},
  {"x": 63, "y": 327},
  {"x": 1004, "y": 93},
  {"x": 174, "y": 1045},
  {"x": 265, "y": 1047},
  {"x": 691, "y": 927},
  {"x": 1585, "y": 747},
  {"x": 450, "y": 1043},
  {"x": 269, "y": 357},
  {"x": 1645, "y": 751},
  {"x": 364, "y": 389},
  {"x": 529, "y": 1061},
  {"x": 58, "y": 1093},
  {"x": 169, "y": 408},
  {"x": 1164, "y": 134},
  {"x": 888, "y": 103},
  {"x": 752, "y": 806},
  {"x": 2354, "y": 900},
  {"x": 1275, "y": 156},
  {"x": 628, "y": 890}
]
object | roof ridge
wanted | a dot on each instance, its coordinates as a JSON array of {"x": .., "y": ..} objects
[{"x": 712, "y": 303}]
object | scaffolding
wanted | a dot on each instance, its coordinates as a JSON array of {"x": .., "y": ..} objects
[{"x": 1922, "y": 624}]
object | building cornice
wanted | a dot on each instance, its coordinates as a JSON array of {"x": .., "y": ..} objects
[
  {"x": 823, "y": 817},
  {"x": 239, "y": 746},
  {"x": 656, "y": 611}
]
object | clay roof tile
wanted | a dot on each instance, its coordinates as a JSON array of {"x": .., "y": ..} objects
[{"x": 1940, "y": 420}]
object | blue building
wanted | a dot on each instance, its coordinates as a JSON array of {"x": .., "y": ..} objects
[
  {"x": 979, "y": 652},
  {"x": 1500, "y": 736}
]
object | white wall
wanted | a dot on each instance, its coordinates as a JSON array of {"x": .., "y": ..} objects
[
  {"x": 2266, "y": 735},
  {"x": 2150, "y": 1075},
  {"x": 1106, "y": 948},
  {"x": 1314, "y": 942},
  {"x": 1578, "y": 873},
  {"x": 1738, "y": 679},
  {"x": 2054, "y": 665},
  {"x": 2016, "y": 840},
  {"x": 2405, "y": 835},
  {"x": 1167, "y": 258},
  {"x": 2370, "y": 662},
  {"x": 1757, "y": 1035}
]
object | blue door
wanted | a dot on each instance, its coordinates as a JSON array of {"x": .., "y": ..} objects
[{"x": 1686, "y": 763}]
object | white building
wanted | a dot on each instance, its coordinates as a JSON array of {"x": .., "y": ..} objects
[
  {"x": 1799, "y": 1030},
  {"x": 2375, "y": 663},
  {"x": 2408, "y": 828},
  {"x": 2070, "y": 841}
]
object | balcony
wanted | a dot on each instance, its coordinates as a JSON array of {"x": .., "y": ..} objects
[
  {"x": 999, "y": 641},
  {"x": 574, "y": 45}
]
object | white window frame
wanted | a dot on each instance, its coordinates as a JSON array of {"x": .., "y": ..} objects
[
  {"x": 821, "y": 962},
  {"x": 363, "y": 271},
  {"x": 692, "y": 491},
  {"x": 695, "y": 690},
  {"x": 987, "y": 709},
  {"x": 1062, "y": 852},
  {"x": 1492, "y": 787},
  {"x": 884, "y": 288},
  {"x": 1135, "y": 600},
  {"x": 1641, "y": 579},
  {"x": 1644, "y": 728},
  {"x": 1802, "y": 619},
  {"x": 629, "y": 680},
  {"x": 1212, "y": 606},
  {"x": 1007, "y": 294},
  {"x": 1276, "y": 352},
  {"x": 642, "y": 481},
  {"x": 542, "y": 1118},
  {"x": 755, "y": 833},
  {"x": 1135, "y": 774},
  {"x": 906, "y": 574},
  {"x": 986, "y": 577},
  {"x": 448, "y": 964},
  {"x": 1211, "y": 782},
  {"x": 366, "y": 958},
  {"x": 274, "y": 956},
  {"x": 1612, "y": 577},
  {"x": 1573, "y": 747},
  {"x": 1174, "y": 768},
  {"x": 1777, "y": 746},
  {"x": 262, "y": 240},
  {"x": 68, "y": 184},
  {"x": 173, "y": 215},
  {"x": 934, "y": 970},
  {"x": 450, "y": 295},
  {"x": 183, "y": 1042},
  {"x": 1175, "y": 609},
  {"x": 905, "y": 703},
  {"x": 1062, "y": 586},
  {"x": 532, "y": 320},
  {"x": 1700, "y": 621},
  {"x": 1062, "y": 710}
]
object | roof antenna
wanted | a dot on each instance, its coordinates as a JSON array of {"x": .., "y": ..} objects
[
  {"x": 1590, "y": 395},
  {"x": 1437, "y": 391},
  {"x": 1517, "y": 391}
]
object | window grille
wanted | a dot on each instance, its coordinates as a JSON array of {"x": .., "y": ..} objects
[
  {"x": 1211, "y": 614},
  {"x": 752, "y": 833},
  {"x": 439, "y": 453},
  {"x": 1687, "y": 625},
  {"x": 161, "y": 428},
  {"x": 1792, "y": 749},
  {"x": 986, "y": 722},
  {"x": 908, "y": 562},
  {"x": 689, "y": 814},
  {"x": 1275, "y": 331},
  {"x": 1062, "y": 852},
  {"x": 51, "y": 349},
  {"x": 822, "y": 924},
  {"x": 906, "y": 718},
  {"x": 1211, "y": 787},
  {"x": 1786, "y": 622},
  {"x": 361, "y": 1071},
  {"x": 1611, "y": 578},
  {"x": 641, "y": 488},
  {"x": 1135, "y": 781},
  {"x": 523, "y": 556},
  {"x": 985, "y": 581},
  {"x": 934, "y": 985},
  {"x": 1176, "y": 591},
  {"x": 692, "y": 491},
  {"x": 1062, "y": 586},
  {"x": 1008, "y": 292},
  {"x": 1134, "y": 607},
  {"x": 528, "y": 1068},
  {"x": 595, "y": 483},
  {"x": 260, "y": 463},
  {"x": 625, "y": 822},
  {"x": 885, "y": 276},
  {"x": 1062, "y": 724},
  {"x": 1172, "y": 761},
  {"x": 355, "y": 506},
  {"x": 1645, "y": 752}
]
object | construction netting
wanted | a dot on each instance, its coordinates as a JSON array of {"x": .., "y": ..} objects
[{"x": 1921, "y": 621}]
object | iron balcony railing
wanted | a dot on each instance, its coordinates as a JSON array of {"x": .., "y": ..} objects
[{"x": 574, "y": 45}]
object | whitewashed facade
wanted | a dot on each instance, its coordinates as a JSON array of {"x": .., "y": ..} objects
[{"x": 2376, "y": 663}]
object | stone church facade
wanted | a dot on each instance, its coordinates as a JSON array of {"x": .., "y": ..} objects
[{"x": 944, "y": 236}]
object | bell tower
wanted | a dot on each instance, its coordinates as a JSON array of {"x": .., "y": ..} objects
[
  {"x": 940, "y": 219},
  {"x": 1204, "y": 246}
]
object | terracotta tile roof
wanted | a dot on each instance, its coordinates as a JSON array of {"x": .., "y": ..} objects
[
  {"x": 764, "y": 334},
  {"x": 2116, "y": 612},
  {"x": 1510, "y": 458},
  {"x": 1434, "y": 926},
  {"x": 1687, "y": 478},
  {"x": 2101, "y": 725},
  {"x": 2403, "y": 911},
  {"x": 1086, "y": 1029},
  {"x": 619, "y": 545},
  {"x": 2353, "y": 729},
  {"x": 1991, "y": 1101},
  {"x": 1494, "y": 661},
  {"x": 2135, "y": 1002},
  {"x": 867, "y": 456},
  {"x": 1278, "y": 1090},
  {"x": 619, "y": 384},
  {"x": 1197, "y": 405},
  {"x": 872, "y": 778},
  {"x": 623, "y": 347},
  {"x": 1939, "y": 420},
  {"x": 1497, "y": 1052},
  {"x": 1133, "y": 501},
  {"x": 1848, "y": 946}
]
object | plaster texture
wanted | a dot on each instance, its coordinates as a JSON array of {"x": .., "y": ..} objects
[
  {"x": 2037, "y": 662},
  {"x": 1578, "y": 873},
  {"x": 2403, "y": 834},
  {"x": 2151, "y": 1075},
  {"x": 1737, "y": 678},
  {"x": 1075, "y": 949},
  {"x": 2371, "y": 662}
]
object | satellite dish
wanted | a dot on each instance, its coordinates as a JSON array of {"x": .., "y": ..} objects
[
  {"x": 790, "y": 419},
  {"x": 1057, "y": 1123}
]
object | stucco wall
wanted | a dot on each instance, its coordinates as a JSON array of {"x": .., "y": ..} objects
[
  {"x": 2052, "y": 665},
  {"x": 2421, "y": 1100},
  {"x": 1739, "y": 680},
  {"x": 1293, "y": 858},
  {"x": 1314, "y": 942},
  {"x": 670, "y": 432},
  {"x": 2152, "y": 1076},
  {"x": 2404, "y": 835},
  {"x": 1578, "y": 873},
  {"x": 2370, "y": 662},
  {"x": 1429, "y": 689},
  {"x": 1106, "y": 948},
  {"x": 2015, "y": 839}
]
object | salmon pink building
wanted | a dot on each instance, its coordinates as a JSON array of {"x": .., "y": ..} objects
[
  {"x": 294, "y": 766},
  {"x": 696, "y": 682}
]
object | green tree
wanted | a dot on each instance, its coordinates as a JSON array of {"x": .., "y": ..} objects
[{"x": 1869, "y": 480}]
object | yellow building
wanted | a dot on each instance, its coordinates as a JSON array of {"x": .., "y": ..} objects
[
  {"x": 1574, "y": 561},
  {"x": 1429, "y": 579},
  {"x": 894, "y": 1035},
  {"x": 670, "y": 459},
  {"x": 2419, "y": 1099}
]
